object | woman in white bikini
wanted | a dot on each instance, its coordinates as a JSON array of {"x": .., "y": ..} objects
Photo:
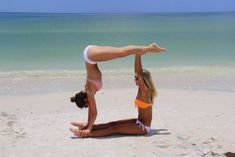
[{"x": 93, "y": 54}]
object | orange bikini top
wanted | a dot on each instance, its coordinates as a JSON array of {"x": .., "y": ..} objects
[{"x": 142, "y": 104}]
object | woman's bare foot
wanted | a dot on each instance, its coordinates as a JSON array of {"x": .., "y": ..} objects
[{"x": 155, "y": 48}]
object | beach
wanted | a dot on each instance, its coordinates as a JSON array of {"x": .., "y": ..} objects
[
  {"x": 188, "y": 123},
  {"x": 41, "y": 67}
]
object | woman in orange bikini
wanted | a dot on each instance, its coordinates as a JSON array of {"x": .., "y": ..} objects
[{"x": 93, "y": 54}]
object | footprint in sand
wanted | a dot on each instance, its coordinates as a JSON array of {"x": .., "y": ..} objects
[
  {"x": 183, "y": 137},
  {"x": 4, "y": 114},
  {"x": 209, "y": 140},
  {"x": 10, "y": 121},
  {"x": 161, "y": 144}
]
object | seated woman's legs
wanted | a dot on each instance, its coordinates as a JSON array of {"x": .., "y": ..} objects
[
  {"x": 105, "y": 125},
  {"x": 119, "y": 128}
]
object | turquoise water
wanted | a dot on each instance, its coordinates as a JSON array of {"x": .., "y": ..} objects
[
  {"x": 56, "y": 41},
  {"x": 35, "y": 45}
]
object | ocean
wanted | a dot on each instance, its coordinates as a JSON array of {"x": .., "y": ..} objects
[{"x": 42, "y": 52}]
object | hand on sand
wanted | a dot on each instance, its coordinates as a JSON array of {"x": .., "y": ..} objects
[
  {"x": 80, "y": 133},
  {"x": 155, "y": 48},
  {"x": 81, "y": 126}
]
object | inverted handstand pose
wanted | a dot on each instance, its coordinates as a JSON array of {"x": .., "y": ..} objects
[
  {"x": 136, "y": 126},
  {"x": 93, "y": 54}
]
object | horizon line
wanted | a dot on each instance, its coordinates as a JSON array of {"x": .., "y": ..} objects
[{"x": 115, "y": 12}]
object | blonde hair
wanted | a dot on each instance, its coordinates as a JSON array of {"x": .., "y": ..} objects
[{"x": 149, "y": 82}]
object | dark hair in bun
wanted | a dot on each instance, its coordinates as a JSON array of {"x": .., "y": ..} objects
[{"x": 79, "y": 99}]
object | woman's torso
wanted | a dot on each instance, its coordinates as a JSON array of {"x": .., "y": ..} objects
[
  {"x": 144, "y": 115},
  {"x": 93, "y": 72}
]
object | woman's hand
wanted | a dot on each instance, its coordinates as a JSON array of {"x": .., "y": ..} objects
[
  {"x": 81, "y": 133},
  {"x": 85, "y": 133},
  {"x": 140, "y": 53}
]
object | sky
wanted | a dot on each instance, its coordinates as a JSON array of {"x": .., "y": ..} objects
[{"x": 113, "y": 6}]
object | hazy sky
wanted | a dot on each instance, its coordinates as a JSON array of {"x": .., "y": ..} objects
[{"x": 116, "y": 5}]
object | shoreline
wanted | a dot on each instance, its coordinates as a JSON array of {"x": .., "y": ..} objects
[{"x": 33, "y": 82}]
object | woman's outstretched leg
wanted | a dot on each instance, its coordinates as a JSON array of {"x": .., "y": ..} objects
[
  {"x": 119, "y": 129},
  {"x": 105, "y": 53},
  {"x": 104, "y": 125}
]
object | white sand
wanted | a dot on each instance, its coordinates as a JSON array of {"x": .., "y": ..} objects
[{"x": 185, "y": 122}]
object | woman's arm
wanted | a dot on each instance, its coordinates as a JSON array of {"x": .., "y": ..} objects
[
  {"x": 92, "y": 110},
  {"x": 139, "y": 72},
  {"x": 138, "y": 65}
]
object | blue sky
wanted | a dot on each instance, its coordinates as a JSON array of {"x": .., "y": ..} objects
[{"x": 67, "y": 6}]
